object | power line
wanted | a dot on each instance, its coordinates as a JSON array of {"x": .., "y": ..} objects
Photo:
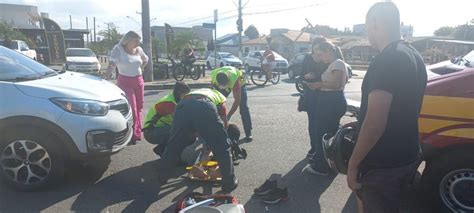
[
  {"x": 203, "y": 18},
  {"x": 284, "y": 10},
  {"x": 199, "y": 20}
]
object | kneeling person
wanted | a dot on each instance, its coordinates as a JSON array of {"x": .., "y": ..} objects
[
  {"x": 199, "y": 112},
  {"x": 158, "y": 121}
]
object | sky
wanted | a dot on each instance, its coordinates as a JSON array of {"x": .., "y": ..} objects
[{"x": 424, "y": 15}]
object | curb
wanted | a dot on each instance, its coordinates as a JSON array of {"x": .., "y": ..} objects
[{"x": 170, "y": 86}]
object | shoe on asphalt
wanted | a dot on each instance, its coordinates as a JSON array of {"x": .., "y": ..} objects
[
  {"x": 229, "y": 188},
  {"x": 276, "y": 195},
  {"x": 266, "y": 187},
  {"x": 316, "y": 170},
  {"x": 248, "y": 138}
]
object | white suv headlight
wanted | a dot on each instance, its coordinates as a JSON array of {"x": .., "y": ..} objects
[{"x": 82, "y": 106}]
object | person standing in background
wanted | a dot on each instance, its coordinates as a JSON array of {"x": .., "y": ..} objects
[{"x": 130, "y": 60}]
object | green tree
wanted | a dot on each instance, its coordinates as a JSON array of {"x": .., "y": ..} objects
[
  {"x": 444, "y": 31},
  {"x": 181, "y": 41},
  {"x": 251, "y": 32},
  {"x": 8, "y": 34},
  {"x": 111, "y": 34},
  {"x": 464, "y": 32},
  {"x": 111, "y": 37}
]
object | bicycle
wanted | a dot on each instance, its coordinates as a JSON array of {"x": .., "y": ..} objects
[
  {"x": 259, "y": 77},
  {"x": 180, "y": 70}
]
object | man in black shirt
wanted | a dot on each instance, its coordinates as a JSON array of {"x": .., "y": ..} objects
[{"x": 386, "y": 155}]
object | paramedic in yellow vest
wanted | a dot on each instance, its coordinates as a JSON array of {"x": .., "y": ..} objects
[
  {"x": 158, "y": 121},
  {"x": 230, "y": 79},
  {"x": 202, "y": 111}
]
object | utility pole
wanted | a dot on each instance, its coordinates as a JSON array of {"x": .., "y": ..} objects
[
  {"x": 108, "y": 31},
  {"x": 146, "y": 33},
  {"x": 87, "y": 28},
  {"x": 70, "y": 22},
  {"x": 240, "y": 29},
  {"x": 215, "y": 37},
  {"x": 95, "y": 37}
]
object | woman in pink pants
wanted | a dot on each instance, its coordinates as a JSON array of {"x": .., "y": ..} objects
[{"x": 130, "y": 60}]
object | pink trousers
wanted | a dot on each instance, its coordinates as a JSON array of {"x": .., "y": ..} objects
[{"x": 134, "y": 89}]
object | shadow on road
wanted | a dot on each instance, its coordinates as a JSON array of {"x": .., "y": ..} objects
[
  {"x": 304, "y": 192},
  {"x": 77, "y": 178},
  {"x": 136, "y": 187},
  {"x": 148, "y": 93},
  {"x": 290, "y": 81}
]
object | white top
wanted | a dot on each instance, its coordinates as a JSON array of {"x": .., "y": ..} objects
[
  {"x": 328, "y": 75},
  {"x": 128, "y": 65}
]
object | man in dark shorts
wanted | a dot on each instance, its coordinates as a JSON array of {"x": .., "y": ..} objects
[{"x": 387, "y": 152}]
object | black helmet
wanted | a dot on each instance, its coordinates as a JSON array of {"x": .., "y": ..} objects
[{"x": 338, "y": 148}]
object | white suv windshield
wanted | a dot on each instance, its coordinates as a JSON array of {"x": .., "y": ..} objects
[
  {"x": 227, "y": 55},
  {"x": 13, "y": 44},
  {"x": 17, "y": 67},
  {"x": 80, "y": 53}
]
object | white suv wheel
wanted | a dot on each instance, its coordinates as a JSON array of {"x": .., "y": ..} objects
[{"x": 26, "y": 162}]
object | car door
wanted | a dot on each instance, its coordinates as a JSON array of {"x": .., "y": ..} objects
[
  {"x": 255, "y": 60},
  {"x": 210, "y": 59}
]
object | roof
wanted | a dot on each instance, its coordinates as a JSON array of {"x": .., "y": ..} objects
[
  {"x": 259, "y": 40},
  {"x": 298, "y": 36},
  {"x": 361, "y": 42}
]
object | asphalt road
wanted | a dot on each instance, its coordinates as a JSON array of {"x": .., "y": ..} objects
[{"x": 130, "y": 183}]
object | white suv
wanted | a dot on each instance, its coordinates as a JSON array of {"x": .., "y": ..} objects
[
  {"x": 48, "y": 118},
  {"x": 253, "y": 61},
  {"x": 81, "y": 59}
]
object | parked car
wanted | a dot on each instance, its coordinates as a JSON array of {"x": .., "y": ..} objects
[
  {"x": 446, "y": 126},
  {"x": 50, "y": 118},
  {"x": 223, "y": 59},
  {"x": 253, "y": 61},
  {"x": 296, "y": 65},
  {"x": 82, "y": 60},
  {"x": 21, "y": 47}
]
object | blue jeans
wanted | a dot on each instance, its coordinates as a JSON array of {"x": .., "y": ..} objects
[
  {"x": 329, "y": 109},
  {"x": 199, "y": 116},
  {"x": 157, "y": 135},
  {"x": 310, "y": 97},
  {"x": 245, "y": 112}
]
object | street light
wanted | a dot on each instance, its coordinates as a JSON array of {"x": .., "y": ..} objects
[
  {"x": 139, "y": 24},
  {"x": 134, "y": 20}
]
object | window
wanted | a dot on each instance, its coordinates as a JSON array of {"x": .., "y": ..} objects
[
  {"x": 23, "y": 46},
  {"x": 286, "y": 50},
  {"x": 15, "y": 66}
]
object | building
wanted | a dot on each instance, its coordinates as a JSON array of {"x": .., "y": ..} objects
[
  {"x": 283, "y": 41},
  {"x": 357, "y": 50},
  {"x": 230, "y": 43},
  {"x": 28, "y": 20},
  {"x": 361, "y": 30},
  {"x": 436, "y": 49},
  {"x": 199, "y": 32},
  {"x": 20, "y": 16}
]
